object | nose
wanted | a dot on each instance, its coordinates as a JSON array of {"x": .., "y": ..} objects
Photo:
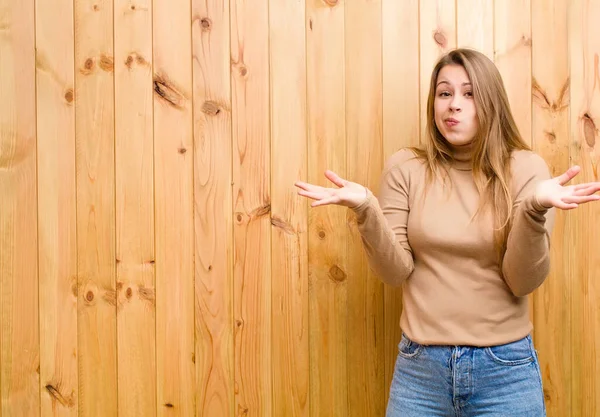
[{"x": 455, "y": 103}]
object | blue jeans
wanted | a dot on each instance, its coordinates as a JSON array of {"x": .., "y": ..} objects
[{"x": 502, "y": 380}]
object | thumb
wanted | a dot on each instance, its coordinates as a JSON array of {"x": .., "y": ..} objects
[
  {"x": 568, "y": 175},
  {"x": 335, "y": 178}
]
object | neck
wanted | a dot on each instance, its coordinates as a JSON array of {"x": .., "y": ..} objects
[{"x": 462, "y": 155}]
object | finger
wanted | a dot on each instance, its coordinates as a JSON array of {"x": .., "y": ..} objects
[
  {"x": 565, "y": 206},
  {"x": 568, "y": 175},
  {"x": 589, "y": 190},
  {"x": 325, "y": 201},
  {"x": 312, "y": 195},
  {"x": 586, "y": 185},
  {"x": 335, "y": 178},
  {"x": 581, "y": 199},
  {"x": 308, "y": 187}
]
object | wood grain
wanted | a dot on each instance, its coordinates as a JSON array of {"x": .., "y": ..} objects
[
  {"x": 213, "y": 212},
  {"x": 550, "y": 126},
  {"x": 57, "y": 212},
  {"x": 134, "y": 149},
  {"x": 582, "y": 237},
  {"x": 19, "y": 308},
  {"x": 437, "y": 28},
  {"x": 401, "y": 128},
  {"x": 252, "y": 207},
  {"x": 364, "y": 163},
  {"x": 327, "y": 229},
  {"x": 289, "y": 216},
  {"x": 174, "y": 208},
  {"x": 475, "y": 25},
  {"x": 512, "y": 55},
  {"x": 94, "y": 127}
]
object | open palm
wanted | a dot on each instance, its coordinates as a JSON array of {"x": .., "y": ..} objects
[
  {"x": 554, "y": 192},
  {"x": 349, "y": 194}
]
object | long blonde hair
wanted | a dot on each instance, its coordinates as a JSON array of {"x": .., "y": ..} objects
[{"x": 495, "y": 140}]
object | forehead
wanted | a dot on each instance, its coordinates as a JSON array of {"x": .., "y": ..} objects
[{"x": 453, "y": 74}]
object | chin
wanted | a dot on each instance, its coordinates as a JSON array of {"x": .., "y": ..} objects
[{"x": 457, "y": 140}]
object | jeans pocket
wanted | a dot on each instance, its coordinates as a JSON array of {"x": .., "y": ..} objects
[
  {"x": 519, "y": 352},
  {"x": 409, "y": 349}
]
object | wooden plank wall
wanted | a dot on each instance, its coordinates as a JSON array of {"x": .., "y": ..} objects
[{"x": 154, "y": 256}]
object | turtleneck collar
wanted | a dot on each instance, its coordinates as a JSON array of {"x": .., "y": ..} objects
[{"x": 462, "y": 156}]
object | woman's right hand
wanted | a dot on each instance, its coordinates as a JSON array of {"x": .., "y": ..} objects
[{"x": 350, "y": 194}]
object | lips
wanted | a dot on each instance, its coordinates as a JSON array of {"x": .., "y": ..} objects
[{"x": 450, "y": 122}]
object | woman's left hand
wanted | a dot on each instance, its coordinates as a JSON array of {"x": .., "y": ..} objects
[{"x": 554, "y": 193}]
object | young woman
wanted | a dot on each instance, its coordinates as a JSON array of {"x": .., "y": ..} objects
[{"x": 464, "y": 226}]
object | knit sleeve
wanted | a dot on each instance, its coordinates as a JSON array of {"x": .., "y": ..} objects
[
  {"x": 382, "y": 224},
  {"x": 526, "y": 262}
]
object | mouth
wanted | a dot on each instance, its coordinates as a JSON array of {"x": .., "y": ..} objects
[{"x": 451, "y": 122}]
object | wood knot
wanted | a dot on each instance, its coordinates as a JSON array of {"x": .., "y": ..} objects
[
  {"x": 167, "y": 92},
  {"x": 182, "y": 150},
  {"x": 89, "y": 296},
  {"x": 550, "y": 135},
  {"x": 129, "y": 292},
  {"x": 239, "y": 217},
  {"x": 321, "y": 234},
  {"x": 589, "y": 130},
  {"x": 133, "y": 7},
  {"x": 129, "y": 61},
  {"x": 210, "y": 108},
  {"x": 96, "y": 7},
  {"x": 169, "y": 405},
  {"x": 88, "y": 67},
  {"x": 239, "y": 323},
  {"x": 119, "y": 286},
  {"x": 106, "y": 63},
  {"x": 440, "y": 38},
  {"x": 69, "y": 95},
  {"x": 337, "y": 274},
  {"x": 243, "y": 71},
  {"x": 210, "y": 267},
  {"x": 205, "y": 23}
]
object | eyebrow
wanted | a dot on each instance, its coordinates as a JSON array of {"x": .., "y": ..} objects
[{"x": 447, "y": 82}]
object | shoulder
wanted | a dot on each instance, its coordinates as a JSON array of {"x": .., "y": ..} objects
[
  {"x": 404, "y": 159},
  {"x": 528, "y": 163},
  {"x": 527, "y": 168}
]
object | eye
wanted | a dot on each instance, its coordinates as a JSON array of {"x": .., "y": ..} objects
[
  {"x": 444, "y": 94},
  {"x": 469, "y": 94}
]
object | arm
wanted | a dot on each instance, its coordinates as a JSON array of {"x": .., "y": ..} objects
[
  {"x": 526, "y": 262},
  {"x": 383, "y": 228}
]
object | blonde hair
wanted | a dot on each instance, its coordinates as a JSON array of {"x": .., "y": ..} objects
[{"x": 493, "y": 144}]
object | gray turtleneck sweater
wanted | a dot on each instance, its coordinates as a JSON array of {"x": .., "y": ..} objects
[{"x": 455, "y": 292}]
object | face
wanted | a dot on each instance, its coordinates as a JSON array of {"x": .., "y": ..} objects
[{"x": 454, "y": 106}]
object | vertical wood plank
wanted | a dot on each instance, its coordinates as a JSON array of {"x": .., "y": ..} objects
[
  {"x": 364, "y": 152},
  {"x": 289, "y": 219},
  {"x": 401, "y": 128},
  {"x": 550, "y": 118},
  {"x": 437, "y": 26},
  {"x": 584, "y": 49},
  {"x": 57, "y": 210},
  {"x": 475, "y": 25},
  {"x": 174, "y": 216},
  {"x": 19, "y": 309},
  {"x": 136, "y": 326},
  {"x": 252, "y": 206},
  {"x": 327, "y": 233},
  {"x": 213, "y": 214},
  {"x": 512, "y": 40},
  {"x": 94, "y": 124}
]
